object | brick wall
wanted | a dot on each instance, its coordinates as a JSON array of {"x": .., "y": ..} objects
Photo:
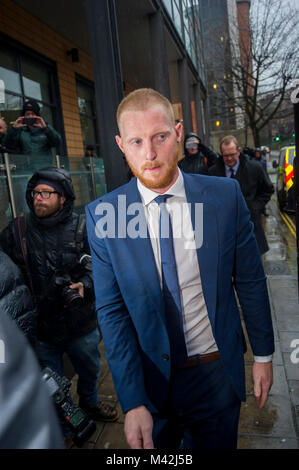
[{"x": 28, "y": 30}]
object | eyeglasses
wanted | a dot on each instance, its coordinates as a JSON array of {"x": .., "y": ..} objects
[
  {"x": 43, "y": 194},
  {"x": 230, "y": 155}
]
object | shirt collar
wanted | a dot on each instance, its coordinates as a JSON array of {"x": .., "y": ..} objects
[
  {"x": 148, "y": 195},
  {"x": 235, "y": 168}
]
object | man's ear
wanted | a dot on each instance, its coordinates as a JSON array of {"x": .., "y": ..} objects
[
  {"x": 119, "y": 142},
  {"x": 179, "y": 131}
]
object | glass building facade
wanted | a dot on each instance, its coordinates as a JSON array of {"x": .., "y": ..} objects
[{"x": 184, "y": 14}]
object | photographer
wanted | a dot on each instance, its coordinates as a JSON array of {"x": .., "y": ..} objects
[
  {"x": 44, "y": 244},
  {"x": 198, "y": 157},
  {"x": 31, "y": 135}
]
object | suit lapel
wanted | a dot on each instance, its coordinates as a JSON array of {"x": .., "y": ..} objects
[
  {"x": 207, "y": 253},
  {"x": 143, "y": 250}
]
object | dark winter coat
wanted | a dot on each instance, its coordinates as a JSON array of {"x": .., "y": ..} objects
[
  {"x": 15, "y": 298},
  {"x": 36, "y": 143},
  {"x": 199, "y": 162},
  {"x": 51, "y": 252},
  {"x": 256, "y": 188}
]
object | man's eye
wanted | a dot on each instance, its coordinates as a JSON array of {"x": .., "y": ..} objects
[{"x": 160, "y": 138}]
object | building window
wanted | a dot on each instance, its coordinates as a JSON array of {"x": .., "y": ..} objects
[
  {"x": 86, "y": 103},
  {"x": 24, "y": 77}
]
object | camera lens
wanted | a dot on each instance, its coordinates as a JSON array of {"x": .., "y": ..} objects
[{"x": 72, "y": 298}]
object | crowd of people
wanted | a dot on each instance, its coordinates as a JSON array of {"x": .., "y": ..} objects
[{"x": 164, "y": 304}]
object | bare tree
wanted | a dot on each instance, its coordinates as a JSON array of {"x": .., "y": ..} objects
[{"x": 260, "y": 60}]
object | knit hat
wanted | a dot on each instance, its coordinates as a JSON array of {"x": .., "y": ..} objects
[
  {"x": 31, "y": 105},
  {"x": 53, "y": 184}
]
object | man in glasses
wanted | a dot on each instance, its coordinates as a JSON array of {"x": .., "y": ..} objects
[
  {"x": 49, "y": 245},
  {"x": 254, "y": 182}
]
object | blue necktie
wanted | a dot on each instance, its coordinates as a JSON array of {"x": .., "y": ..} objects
[{"x": 171, "y": 290}]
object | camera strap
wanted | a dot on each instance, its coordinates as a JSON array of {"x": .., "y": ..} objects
[
  {"x": 22, "y": 229},
  {"x": 79, "y": 238}
]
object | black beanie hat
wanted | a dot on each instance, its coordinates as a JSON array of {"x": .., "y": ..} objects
[
  {"x": 53, "y": 184},
  {"x": 31, "y": 105}
]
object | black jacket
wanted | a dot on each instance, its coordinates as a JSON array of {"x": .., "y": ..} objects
[
  {"x": 256, "y": 188},
  {"x": 28, "y": 415},
  {"x": 52, "y": 252},
  {"x": 199, "y": 162},
  {"x": 15, "y": 298}
]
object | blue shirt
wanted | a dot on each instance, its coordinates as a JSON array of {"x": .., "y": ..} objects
[{"x": 228, "y": 169}]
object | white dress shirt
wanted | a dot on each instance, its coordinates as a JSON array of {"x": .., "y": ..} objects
[{"x": 197, "y": 328}]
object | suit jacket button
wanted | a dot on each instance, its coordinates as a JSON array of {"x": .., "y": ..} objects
[{"x": 165, "y": 357}]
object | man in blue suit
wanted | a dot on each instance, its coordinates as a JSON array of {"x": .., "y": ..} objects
[{"x": 168, "y": 250}]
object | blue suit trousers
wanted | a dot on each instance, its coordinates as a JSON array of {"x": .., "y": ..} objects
[{"x": 203, "y": 410}]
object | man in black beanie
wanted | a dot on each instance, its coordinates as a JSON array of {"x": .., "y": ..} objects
[
  {"x": 31, "y": 135},
  {"x": 52, "y": 260},
  {"x": 197, "y": 156}
]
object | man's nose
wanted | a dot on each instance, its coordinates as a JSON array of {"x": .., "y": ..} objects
[{"x": 150, "y": 150}]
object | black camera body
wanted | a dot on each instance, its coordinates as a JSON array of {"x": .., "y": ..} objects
[
  {"x": 70, "y": 297},
  {"x": 29, "y": 121},
  {"x": 78, "y": 421}
]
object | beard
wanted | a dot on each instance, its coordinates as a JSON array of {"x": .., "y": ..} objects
[
  {"x": 43, "y": 211},
  {"x": 156, "y": 181}
]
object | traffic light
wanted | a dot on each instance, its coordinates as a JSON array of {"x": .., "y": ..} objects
[
  {"x": 277, "y": 138},
  {"x": 293, "y": 133}
]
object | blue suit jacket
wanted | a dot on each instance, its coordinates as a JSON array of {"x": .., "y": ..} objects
[{"x": 129, "y": 299}]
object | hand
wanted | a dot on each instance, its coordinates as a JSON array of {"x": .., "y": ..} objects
[
  {"x": 262, "y": 373},
  {"x": 39, "y": 122},
  {"x": 79, "y": 286},
  {"x": 138, "y": 428},
  {"x": 19, "y": 123}
]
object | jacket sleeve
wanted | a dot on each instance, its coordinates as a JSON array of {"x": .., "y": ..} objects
[
  {"x": 7, "y": 241},
  {"x": 85, "y": 272},
  {"x": 250, "y": 283},
  {"x": 209, "y": 154},
  {"x": 11, "y": 140},
  {"x": 15, "y": 298},
  {"x": 116, "y": 325},
  {"x": 53, "y": 136},
  {"x": 28, "y": 416},
  {"x": 265, "y": 188}
]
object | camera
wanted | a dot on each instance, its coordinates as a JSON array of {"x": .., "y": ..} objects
[
  {"x": 78, "y": 421},
  {"x": 70, "y": 297},
  {"x": 29, "y": 121}
]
